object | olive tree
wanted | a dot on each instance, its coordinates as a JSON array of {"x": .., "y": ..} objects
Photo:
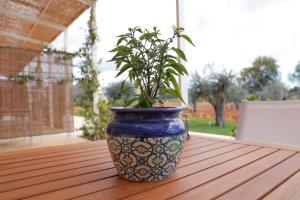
[{"x": 212, "y": 87}]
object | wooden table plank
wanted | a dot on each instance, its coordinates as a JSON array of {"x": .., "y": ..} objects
[
  {"x": 98, "y": 185},
  {"x": 201, "y": 146},
  {"x": 288, "y": 190},
  {"x": 203, "y": 163},
  {"x": 84, "y": 163},
  {"x": 217, "y": 187},
  {"x": 209, "y": 169},
  {"x": 81, "y": 153},
  {"x": 104, "y": 159},
  {"x": 266, "y": 181},
  {"x": 85, "y": 150},
  {"x": 46, "y": 150},
  {"x": 94, "y": 168},
  {"x": 61, "y": 168},
  {"x": 190, "y": 182}
]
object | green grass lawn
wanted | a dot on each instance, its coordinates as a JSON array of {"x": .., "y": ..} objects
[{"x": 208, "y": 126}]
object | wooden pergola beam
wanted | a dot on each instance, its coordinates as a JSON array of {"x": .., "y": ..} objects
[
  {"x": 23, "y": 38},
  {"x": 32, "y": 19},
  {"x": 86, "y": 2}
]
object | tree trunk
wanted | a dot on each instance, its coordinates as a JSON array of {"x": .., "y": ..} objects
[
  {"x": 219, "y": 109},
  {"x": 194, "y": 106}
]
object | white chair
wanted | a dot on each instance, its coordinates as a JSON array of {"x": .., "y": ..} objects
[{"x": 270, "y": 122}]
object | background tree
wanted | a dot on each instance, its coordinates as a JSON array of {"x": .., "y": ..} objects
[
  {"x": 194, "y": 90},
  {"x": 212, "y": 87},
  {"x": 264, "y": 70},
  {"x": 274, "y": 91},
  {"x": 118, "y": 96},
  {"x": 236, "y": 93},
  {"x": 294, "y": 93},
  {"x": 295, "y": 76}
]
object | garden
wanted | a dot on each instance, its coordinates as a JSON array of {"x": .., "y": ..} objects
[{"x": 150, "y": 84}]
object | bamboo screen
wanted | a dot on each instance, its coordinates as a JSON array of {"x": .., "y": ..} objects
[
  {"x": 33, "y": 24},
  {"x": 35, "y": 93}
]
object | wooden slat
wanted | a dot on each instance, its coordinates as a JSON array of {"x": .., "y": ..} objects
[
  {"x": 202, "y": 164},
  {"x": 29, "y": 18},
  {"x": 266, "y": 181},
  {"x": 209, "y": 169},
  {"x": 275, "y": 146},
  {"x": 56, "y": 169},
  {"x": 189, "y": 182},
  {"x": 98, "y": 185},
  {"x": 76, "y": 172},
  {"x": 85, "y": 178},
  {"x": 73, "y": 149},
  {"x": 288, "y": 190},
  {"x": 199, "y": 144},
  {"x": 217, "y": 187},
  {"x": 52, "y": 164},
  {"x": 46, "y": 150},
  {"x": 56, "y": 176},
  {"x": 53, "y": 154},
  {"x": 52, "y": 158},
  {"x": 34, "y": 171},
  {"x": 11, "y": 169},
  {"x": 212, "y": 153}
]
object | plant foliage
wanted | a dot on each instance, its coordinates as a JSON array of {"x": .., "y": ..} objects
[
  {"x": 151, "y": 63},
  {"x": 95, "y": 122}
]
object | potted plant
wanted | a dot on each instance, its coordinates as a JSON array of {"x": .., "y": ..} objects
[{"x": 145, "y": 141}]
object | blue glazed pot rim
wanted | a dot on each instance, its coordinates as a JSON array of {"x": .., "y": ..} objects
[
  {"x": 144, "y": 123},
  {"x": 122, "y": 110}
]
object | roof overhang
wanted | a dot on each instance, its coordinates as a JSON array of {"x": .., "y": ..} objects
[{"x": 33, "y": 24}]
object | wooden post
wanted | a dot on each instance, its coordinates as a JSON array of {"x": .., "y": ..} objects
[
  {"x": 66, "y": 40},
  {"x": 182, "y": 80},
  {"x": 67, "y": 109},
  {"x": 94, "y": 58}
]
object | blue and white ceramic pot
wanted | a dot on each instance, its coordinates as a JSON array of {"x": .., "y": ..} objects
[{"x": 146, "y": 144}]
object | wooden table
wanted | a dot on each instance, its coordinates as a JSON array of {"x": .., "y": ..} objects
[{"x": 210, "y": 169}]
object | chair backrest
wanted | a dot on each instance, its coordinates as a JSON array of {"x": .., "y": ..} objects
[{"x": 270, "y": 122}]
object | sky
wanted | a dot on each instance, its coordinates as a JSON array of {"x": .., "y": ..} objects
[{"x": 227, "y": 33}]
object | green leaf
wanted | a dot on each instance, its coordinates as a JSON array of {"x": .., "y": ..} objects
[
  {"x": 118, "y": 64},
  {"x": 136, "y": 83},
  {"x": 147, "y": 36},
  {"x": 174, "y": 93},
  {"x": 180, "y": 53},
  {"x": 123, "y": 69},
  {"x": 169, "y": 70},
  {"x": 173, "y": 81},
  {"x": 122, "y": 87},
  {"x": 143, "y": 102},
  {"x": 131, "y": 101},
  {"x": 180, "y": 68},
  {"x": 121, "y": 48},
  {"x": 171, "y": 61},
  {"x": 115, "y": 57},
  {"x": 120, "y": 40},
  {"x": 187, "y": 38}
]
